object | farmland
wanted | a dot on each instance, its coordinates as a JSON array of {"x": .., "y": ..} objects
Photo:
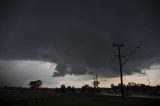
[{"x": 49, "y": 98}]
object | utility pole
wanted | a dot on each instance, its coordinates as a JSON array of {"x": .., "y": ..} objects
[
  {"x": 94, "y": 84},
  {"x": 118, "y": 45},
  {"x": 95, "y": 81}
]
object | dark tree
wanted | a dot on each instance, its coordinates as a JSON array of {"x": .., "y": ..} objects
[
  {"x": 63, "y": 88},
  {"x": 69, "y": 89},
  {"x": 85, "y": 88},
  {"x": 73, "y": 89},
  {"x": 35, "y": 84}
]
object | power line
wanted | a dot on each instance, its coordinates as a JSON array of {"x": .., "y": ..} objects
[{"x": 130, "y": 55}]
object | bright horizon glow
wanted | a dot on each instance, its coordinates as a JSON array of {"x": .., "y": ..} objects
[{"x": 21, "y": 72}]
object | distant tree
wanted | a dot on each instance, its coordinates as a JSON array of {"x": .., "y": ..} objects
[
  {"x": 63, "y": 88},
  {"x": 69, "y": 88},
  {"x": 35, "y": 84},
  {"x": 112, "y": 85},
  {"x": 85, "y": 88},
  {"x": 73, "y": 89},
  {"x": 132, "y": 84}
]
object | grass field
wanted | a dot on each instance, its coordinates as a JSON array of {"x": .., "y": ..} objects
[{"x": 45, "y": 98}]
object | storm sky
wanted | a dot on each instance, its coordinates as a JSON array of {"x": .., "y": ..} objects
[{"x": 54, "y": 39}]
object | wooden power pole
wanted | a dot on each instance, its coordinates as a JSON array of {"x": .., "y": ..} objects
[{"x": 118, "y": 45}]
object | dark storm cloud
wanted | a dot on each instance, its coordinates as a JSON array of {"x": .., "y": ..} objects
[{"x": 78, "y": 36}]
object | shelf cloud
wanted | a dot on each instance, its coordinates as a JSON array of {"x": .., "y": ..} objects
[{"x": 78, "y": 36}]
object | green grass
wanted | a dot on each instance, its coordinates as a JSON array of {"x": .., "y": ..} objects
[{"x": 73, "y": 100}]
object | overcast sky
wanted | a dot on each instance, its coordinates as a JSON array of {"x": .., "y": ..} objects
[{"x": 64, "y": 41}]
